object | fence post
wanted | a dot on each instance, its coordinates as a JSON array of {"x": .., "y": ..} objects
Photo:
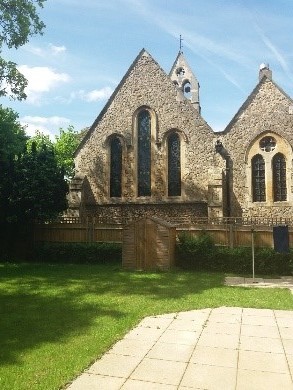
[
  {"x": 231, "y": 235},
  {"x": 252, "y": 252},
  {"x": 89, "y": 229}
]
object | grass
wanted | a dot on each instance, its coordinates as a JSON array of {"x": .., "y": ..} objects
[{"x": 57, "y": 319}]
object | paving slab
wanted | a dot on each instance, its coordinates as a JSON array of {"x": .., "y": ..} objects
[
  {"x": 159, "y": 371},
  {"x": 262, "y": 361},
  {"x": 215, "y": 356},
  {"x": 202, "y": 376},
  {"x": 263, "y": 380},
  {"x": 215, "y": 348},
  {"x": 96, "y": 382}
]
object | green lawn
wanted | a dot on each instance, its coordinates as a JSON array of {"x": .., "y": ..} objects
[{"x": 57, "y": 319}]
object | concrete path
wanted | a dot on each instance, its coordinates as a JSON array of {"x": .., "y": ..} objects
[
  {"x": 282, "y": 282},
  {"x": 223, "y": 348}
]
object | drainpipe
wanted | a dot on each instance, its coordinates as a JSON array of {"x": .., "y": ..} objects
[{"x": 225, "y": 155}]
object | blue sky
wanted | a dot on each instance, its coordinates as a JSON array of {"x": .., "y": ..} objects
[{"x": 88, "y": 46}]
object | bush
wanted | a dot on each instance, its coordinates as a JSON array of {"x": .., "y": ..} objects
[
  {"x": 88, "y": 253},
  {"x": 195, "y": 252},
  {"x": 200, "y": 253}
]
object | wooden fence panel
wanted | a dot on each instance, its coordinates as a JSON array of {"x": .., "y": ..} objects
[
  {"x": 107, "y": 234},
  {"x": 77, "y": 232},
  {"x": 61, "y": 233},
  {"x": 236, "y": 235},
  {"x": 225, "y": 234}
]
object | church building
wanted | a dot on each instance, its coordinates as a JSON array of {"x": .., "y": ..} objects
[{"x": 151, "y": 153}]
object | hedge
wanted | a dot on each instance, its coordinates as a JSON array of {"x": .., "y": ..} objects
[
  {"x": 200, "y": 253},
  {"x": 88, "y": 253}
]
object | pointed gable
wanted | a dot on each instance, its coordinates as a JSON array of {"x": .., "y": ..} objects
[
  {"x": 144, "y": 84},
  {"x": 267, "y": 99},
  {"x": 182, "y": 75},
  {"x": 142, "y": 53}
]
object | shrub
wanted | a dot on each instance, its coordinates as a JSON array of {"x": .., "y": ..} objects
[
  {"x": 88, "y": 253},
  {"x": 201, "y": 253},
  {"x": 195, "y": 252}
]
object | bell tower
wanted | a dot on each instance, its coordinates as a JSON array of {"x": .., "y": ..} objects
[{"x": 183, "y": 77}]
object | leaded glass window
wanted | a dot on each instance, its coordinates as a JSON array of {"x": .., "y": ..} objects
[
  {"x": 267, "y": 144},
  {"x": 174, "y": 165},
  {"x": 115, "y": 168},
  {"x": 144, "y": 154},
  {"x": 279, "y": 178},
  {"x": 258, "y": 179}
]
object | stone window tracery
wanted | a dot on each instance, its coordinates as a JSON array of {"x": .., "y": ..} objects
[
  {"x": 258, "y": 179},
  {"x": 115, "y": 167},
  {"x": 279, "y": 178},
  {"x": 269, "y": 174},
  {"x": 174, "y": 165},
  {"x": 267, "y": 144},
  {"x": 144, "y": 154}
]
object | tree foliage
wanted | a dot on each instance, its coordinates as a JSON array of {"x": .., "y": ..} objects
[
  {"x": 12, "y": 135},
  {"x": 32, "y": 185},
  {"x": 39, "y": 140},
  {"x": 19, "y": 21},
  {"x": 65, "y": 146},
  {"x": 39, "y": 191},
  {"x": 12, "y": 143}
]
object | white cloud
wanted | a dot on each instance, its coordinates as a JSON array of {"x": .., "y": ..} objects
[
  {"x": 57, "y": 49},
  {"x": 46, "y": 125},
  {"x": 94, "y": 95},
  {"x": 41, "y": 79},
  {"x": 45, "y": 51}
]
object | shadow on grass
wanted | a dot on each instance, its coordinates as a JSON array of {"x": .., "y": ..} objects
[
  {"x": 43, "y": 310},
  {"x": 47, "y": 304}
]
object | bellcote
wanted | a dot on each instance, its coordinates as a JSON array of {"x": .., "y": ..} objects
[
  {"x": 183, "y": 77},
  {"x": 264, "y": 70}
]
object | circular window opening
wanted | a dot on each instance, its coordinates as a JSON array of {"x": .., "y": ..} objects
[{"x": 267, "y": 144}]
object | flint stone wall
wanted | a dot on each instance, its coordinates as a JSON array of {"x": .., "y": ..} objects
[
  {"x": 147, "y": 85},
  {"x": 180, "y": 213},
  {"x": 267, "y": 110}
]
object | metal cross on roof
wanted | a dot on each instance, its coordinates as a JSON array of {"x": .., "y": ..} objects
[{"x": 180, "y": 43}]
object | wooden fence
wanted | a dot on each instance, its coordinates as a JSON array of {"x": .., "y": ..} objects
[
  {"x": 77, "y": 230},
  {"x": 225, "y": 231}
]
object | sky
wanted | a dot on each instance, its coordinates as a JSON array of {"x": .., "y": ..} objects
[{"x": 88, "y": 46}]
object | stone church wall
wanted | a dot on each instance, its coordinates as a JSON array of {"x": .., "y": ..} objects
[
  {"x": 214, "y": 183},
  {"x": 180, "y": 214},
  {"x": 147, "y": 85},
  {"x": 267, "y": 112}
]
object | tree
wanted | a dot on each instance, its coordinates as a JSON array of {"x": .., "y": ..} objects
[
  {"x": 12, "y": 143},
  {"x": 65, "y": 146},
  {"x": 18, "y": 22},
  {"x": 12, "y": 135},
  {"x": 39, "y": 190},
  {"x": 39, "y": 140}
]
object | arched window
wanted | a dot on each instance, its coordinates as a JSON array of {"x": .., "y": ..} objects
[
  {"x": 187, "y": 90},
  {"x": 174, "y": 165},
  {"x": 115, "y": 167},
  {"x": 279, "y": 178},
  {"x": 258, "y": 179},
  {"x": 144, "y": 154}
]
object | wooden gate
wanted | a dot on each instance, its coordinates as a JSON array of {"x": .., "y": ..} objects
[{"x": 148, "y": 244}]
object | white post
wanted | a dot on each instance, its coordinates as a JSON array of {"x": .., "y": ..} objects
[{"x": 252, "y": 249}]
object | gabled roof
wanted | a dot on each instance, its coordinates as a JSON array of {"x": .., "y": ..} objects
[
  {"x": 142, "y": 53},
  {"x": 175, "y": 62},
  {"x": 181, "y": 59},
  {"x": 249, "y": 100}
]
